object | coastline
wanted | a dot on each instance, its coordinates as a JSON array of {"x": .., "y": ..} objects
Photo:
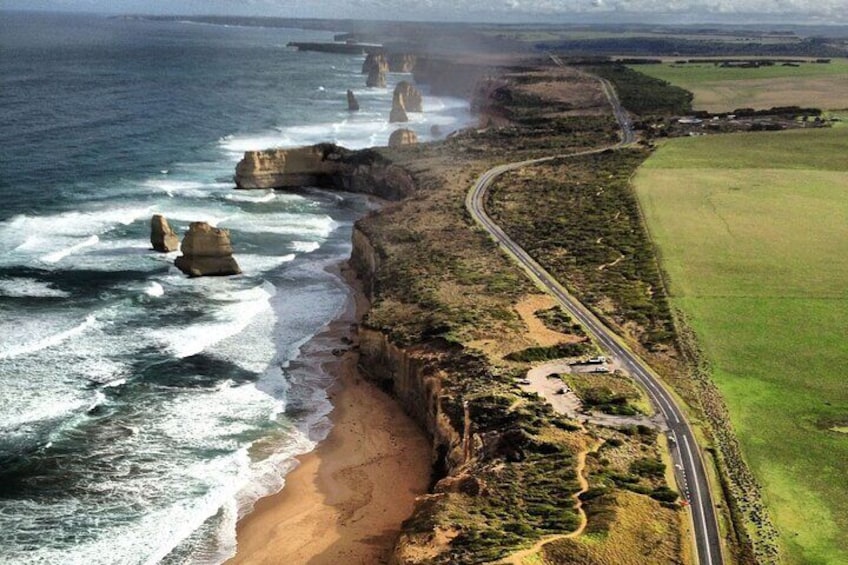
[{"x": 346, "y": 499}]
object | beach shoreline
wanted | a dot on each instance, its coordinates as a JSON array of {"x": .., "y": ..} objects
[{"x": 346, "y": 499}]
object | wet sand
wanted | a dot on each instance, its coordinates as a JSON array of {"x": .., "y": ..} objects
[{"x": 346, "y": 500}]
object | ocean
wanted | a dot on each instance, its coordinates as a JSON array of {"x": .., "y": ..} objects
[{"x": 143, "y": 411}]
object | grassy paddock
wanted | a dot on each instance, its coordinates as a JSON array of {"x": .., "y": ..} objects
[
  {"x": 751, "y": 230},
  {"x": 718, "y": 89}
]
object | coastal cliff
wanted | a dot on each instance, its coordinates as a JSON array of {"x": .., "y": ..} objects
[{"x": 324, "y": 165}]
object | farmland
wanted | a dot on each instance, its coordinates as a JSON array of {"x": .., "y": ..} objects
[
  {"x": 718, "y": 88},
  {"x": 751, "y": 232}
]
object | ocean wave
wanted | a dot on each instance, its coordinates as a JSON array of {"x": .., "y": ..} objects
[
  {"x": 29, "y": 288},
  {"x": 154, "y": 289},
  {"x": 283, "y": 223},
  {"x": 49, "y": 341},
  {"x": 57, "y": 256},
  {"x": 255, "y": 196},
  {"x": 305, "y": 246},
  {"x": 240, "y": 309}
]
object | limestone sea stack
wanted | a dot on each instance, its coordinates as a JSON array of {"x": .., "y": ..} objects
[
  {"x": 162, "y": 237},
  {"x": 375, "y": 61},
  {"x": 376, "y": 78},
  {"x": 207, "y": 252},
  {"x": 403, "y": 136},
  {"x": 352, "y": 102},
  {"x": 398, "y": 113},
  {"x": 411, "y": 96}
]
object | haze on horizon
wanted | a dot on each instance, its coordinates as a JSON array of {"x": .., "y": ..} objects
[{"x": 501, "y": 11}]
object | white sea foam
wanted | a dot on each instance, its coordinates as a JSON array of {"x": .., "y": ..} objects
[
  {"x": 57, "y": 256},
  {"x": 253, "y": 196},
  {"x": 173, "y": 187},
  {"x": 240, "y": 308},
  {"x": 305, "y": 246},
  {"x": 17, "y": 350},
  {"x": 262, "y": 263},
  {"x": 284, "y": 224},
  {"x": 26, "y": 287},
  {"x": 154, "y": 289},
  {"x": 50, "y": 238}
]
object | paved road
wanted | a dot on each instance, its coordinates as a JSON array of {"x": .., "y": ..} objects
[{"x": 689, "y": 467}]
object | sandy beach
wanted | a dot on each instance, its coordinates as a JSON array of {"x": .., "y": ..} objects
[{"x": 345, "y": 501}]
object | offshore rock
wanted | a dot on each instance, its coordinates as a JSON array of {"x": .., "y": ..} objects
[
  {"x": 207, "y": 252},
  {"x": 375, "y": 61},
  {"x": 403, "y": 137},
  {"x": 287, "y": 168},
  {"x": 325, "y": 165},
  {"x": 376, "y": 78},
  {"x": 409, "y": 95},
  {"x": 162, "y": 237},
  {"x": 352, "y": 102},
  {"x": 398, "y": 113}
]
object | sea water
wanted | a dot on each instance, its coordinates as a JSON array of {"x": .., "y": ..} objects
[{"x": 142, "y": 411}]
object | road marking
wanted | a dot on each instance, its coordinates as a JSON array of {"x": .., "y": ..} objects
[{"x": 700, "y": 501}]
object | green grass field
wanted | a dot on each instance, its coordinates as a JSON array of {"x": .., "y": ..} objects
[
  {"x": 752, "y": 230},
  {"x": 719, "y": 89}
]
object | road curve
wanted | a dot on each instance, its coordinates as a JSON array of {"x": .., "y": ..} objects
[{"x": 689, "y": 467}]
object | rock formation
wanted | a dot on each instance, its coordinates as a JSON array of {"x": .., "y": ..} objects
[
  {"x": 352, "y": 102},
  {"x": 403, "y": 137},
  {"x": 401, "y": 62},
  {"x": 162, "y": 237},
  {"x": 207, "y": 252},
  {"x": 375, "y": 61},
  {"x": 286, "y": 168},
  {"x": 398, "y": 113},
  {"x": 411, "y": 96},
  {"x": 326, "y": 166},
  {"x": 376, "y": 78}
]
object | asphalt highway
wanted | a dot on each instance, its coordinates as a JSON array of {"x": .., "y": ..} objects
[{"x": 688, "y": 463}]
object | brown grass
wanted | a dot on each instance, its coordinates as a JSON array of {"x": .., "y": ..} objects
[{"x": 631, "y": 540}]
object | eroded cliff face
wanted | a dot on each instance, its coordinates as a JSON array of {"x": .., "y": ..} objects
[
  {"x": 324, "y": 165},
  {"x": 414, "y": 376},
  {"x": 411, "y": 374}
]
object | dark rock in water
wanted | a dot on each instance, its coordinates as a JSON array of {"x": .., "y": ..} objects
[
  {"x": 376, "y": 78},
  {"x": 435, "y": 131},
  {"x": 207, "y": 252},
  {"x": 162, "y": 237},
  {"x": 352, "y": 102}
]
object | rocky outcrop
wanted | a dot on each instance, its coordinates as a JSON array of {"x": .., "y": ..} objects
[
  {"x": 207, "y": 252},
  {"x": 162, "y": 237},
  {"x": 376, "y": 78},
  {"x": 401, "y": 62},
  {"x": 403, "y": 137},
  {"x": 410, "y": 96},
  {"x": 287, "y": 168},
  {"x": 398, "y": 113},
  {"x": 376, "y": 61},
  {"x": 352, "y": 102},
  {"x": 325, "y": 166}
]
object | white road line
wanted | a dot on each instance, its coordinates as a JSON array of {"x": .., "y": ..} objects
[{"x": 700, "y": 501}]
